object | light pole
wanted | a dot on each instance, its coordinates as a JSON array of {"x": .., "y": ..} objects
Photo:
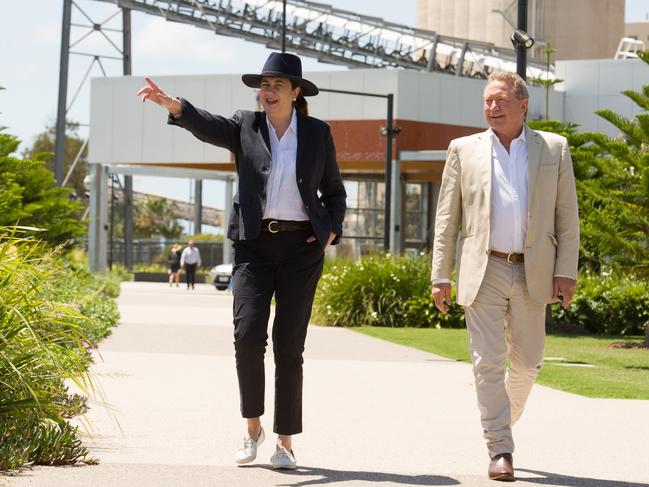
[
  {"x": 389, "y": 131},
  {"x": 59, "y": 150},
  {"x": 521, "y": 40},
  {"x": 283, "y": 25}
]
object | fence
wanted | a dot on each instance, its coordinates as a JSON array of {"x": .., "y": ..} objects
[{"x": 156, "y": 251}]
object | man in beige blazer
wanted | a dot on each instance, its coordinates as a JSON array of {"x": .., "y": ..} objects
[{"x": 508, "y": 209}]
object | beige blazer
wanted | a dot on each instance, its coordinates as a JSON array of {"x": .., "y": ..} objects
[{"x": 463, "y": 218}]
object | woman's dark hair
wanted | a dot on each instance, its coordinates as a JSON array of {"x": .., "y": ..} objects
[{"x": 300, "y": 102}]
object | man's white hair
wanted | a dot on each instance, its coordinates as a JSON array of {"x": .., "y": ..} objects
[{"x": 520, "y": 86}]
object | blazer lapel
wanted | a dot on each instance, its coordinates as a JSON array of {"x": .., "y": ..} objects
[
  {"x": 262, "y": 133},
  {"x": 300, "y": 157},
  {"x": 484, "y": 167},
  {"x": 533, "y": 160}
]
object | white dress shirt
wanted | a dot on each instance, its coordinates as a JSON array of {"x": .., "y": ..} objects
[
  {"x": 190, "y": 256},
  {"x": 508, "y": 194},
  {"x": 283, "y": 200}
]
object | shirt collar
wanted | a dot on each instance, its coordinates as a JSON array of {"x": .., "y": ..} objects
[
  {"x": 291, "y": 126},
  {"x": 521, "y": 138}
]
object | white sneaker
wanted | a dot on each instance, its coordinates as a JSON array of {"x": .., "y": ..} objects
[
  {"x": 247, "y": 452},
  {"x": 282, "y": 458}
]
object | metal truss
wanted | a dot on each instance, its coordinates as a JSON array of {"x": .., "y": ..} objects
[
  {"x": 336, "y": 36},
  {"x": 86, "y": 28}
]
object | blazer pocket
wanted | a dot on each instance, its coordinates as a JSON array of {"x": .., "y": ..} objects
[
  {"x": 553, "y": 238},
  {"x": 550, "y": 166}
]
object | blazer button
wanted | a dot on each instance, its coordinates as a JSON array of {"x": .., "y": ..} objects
[
  {"x": 299, "y": 181},
  {"x": 307, "y": 207}
]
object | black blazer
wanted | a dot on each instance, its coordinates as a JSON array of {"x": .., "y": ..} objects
[{"x": 246, "y": 136}]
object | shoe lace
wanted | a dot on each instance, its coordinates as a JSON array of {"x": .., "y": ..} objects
[
  {"x": 283, "y": 453},
  {"x": 246, "y": 444}
]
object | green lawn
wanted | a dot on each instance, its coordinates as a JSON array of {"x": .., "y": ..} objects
[{"x": 617, "y": 373}]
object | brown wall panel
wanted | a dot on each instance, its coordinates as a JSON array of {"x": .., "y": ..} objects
[
  {"x": 361, "y": 141},
  {"x": 360, "y": 147}
]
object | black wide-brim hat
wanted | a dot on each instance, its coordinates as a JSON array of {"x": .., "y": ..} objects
[{"x": 282, "y": 65}]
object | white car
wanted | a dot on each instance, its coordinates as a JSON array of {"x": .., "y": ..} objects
[{"x": 221, "y": 275}]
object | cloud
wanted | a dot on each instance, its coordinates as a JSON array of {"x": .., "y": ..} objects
[
  {"x": 47, "y": 33},
  {"x": 173, "y": 42}
]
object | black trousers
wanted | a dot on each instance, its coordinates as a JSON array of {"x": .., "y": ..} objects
[
  {"x": 285, "y": 265},
  {"x": 190, "y": 270}
]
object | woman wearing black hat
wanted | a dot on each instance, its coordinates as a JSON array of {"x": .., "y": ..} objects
[{"x": 280, "y": 226}]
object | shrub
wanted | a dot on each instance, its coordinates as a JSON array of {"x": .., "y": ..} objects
[
  {"x": 379, "y": 290},
  {"x": 421, "y": 313},
  {"x": 609, "y": 303},
  {"x": 395, "y": 291}
]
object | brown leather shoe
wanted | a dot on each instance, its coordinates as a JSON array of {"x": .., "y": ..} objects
[{"x": 501, "y": 468}]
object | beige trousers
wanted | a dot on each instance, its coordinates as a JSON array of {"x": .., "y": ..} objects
[{"x": 504, "y": 325}]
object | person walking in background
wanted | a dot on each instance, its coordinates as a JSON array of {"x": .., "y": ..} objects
[
  {"x": 509, "y": 194},
  {"x": 173, "y": 262},
  {"x": 190, "y": 260},
  {"x": 289, "y": 208}
]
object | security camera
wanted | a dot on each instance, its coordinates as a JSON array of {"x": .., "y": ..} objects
[{"x": 522, "y": 38}]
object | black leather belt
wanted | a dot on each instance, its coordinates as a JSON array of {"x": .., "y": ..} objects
[
  {"x": 274, "y": 226},
  {"x": 509, "y": 256}
]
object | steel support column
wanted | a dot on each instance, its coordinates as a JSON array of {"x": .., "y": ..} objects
[
  {"x": 128, "y": 222},
  {"x": 388, "y": 229},
  {"x": 64, "y": 65},
  {"x": 198, "y": 206},
  {"x": 395, "y": 208},
  {"x": 98, "y": 218},
  {"x": 128, "y": 180}
]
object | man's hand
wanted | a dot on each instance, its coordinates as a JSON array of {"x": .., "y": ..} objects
[
  {"x": 442, "y": 296},
  {"x": 564, "y": 287}
]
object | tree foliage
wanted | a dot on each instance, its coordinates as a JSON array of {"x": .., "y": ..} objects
[
  {"x": 156, "y": 216},
  {"x": 29, "y": 196},
  {"x": 44, "y": 147},
  {"x": 613, "y": 187}
]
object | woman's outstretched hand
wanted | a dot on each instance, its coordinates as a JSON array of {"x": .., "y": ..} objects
[{"x": 155, "y": 94}]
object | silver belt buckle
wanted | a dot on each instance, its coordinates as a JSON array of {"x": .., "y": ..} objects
[
  {"x": 269, "y": 226},
  {"x": 509, "y": 257}
]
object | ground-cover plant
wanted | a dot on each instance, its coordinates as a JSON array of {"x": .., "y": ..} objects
[
  {"x": 51, "y": 311},
  {"x": 91, "y": 295},
  {"x": 41, "y": 346}
]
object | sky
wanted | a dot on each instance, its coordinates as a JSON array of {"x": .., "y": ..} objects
[{"x": 30, "y": 50}]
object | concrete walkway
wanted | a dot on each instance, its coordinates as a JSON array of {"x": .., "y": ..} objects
[{"x": 375, "y": 413}]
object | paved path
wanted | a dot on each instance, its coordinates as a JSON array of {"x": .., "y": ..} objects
[{"x": 375, "y": 413}]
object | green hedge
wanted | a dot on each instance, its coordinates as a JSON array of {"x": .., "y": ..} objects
[
  {"x": 396, "y": 291},
  {"x": 380, "y": 290},
  {"x": 608, "y": 303}
]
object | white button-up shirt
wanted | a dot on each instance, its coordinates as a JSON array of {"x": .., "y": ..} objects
[
  {"x": 508, "y": 194},
  {"x": 190, "y": 255},
  {"x": 283, "y": 200}
]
